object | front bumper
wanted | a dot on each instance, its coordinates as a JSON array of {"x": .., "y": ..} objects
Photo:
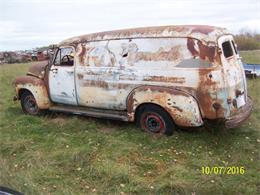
[{"x": 241, "y": 116}]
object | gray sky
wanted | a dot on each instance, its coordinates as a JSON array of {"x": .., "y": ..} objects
[{"x": 25, "y": 24}]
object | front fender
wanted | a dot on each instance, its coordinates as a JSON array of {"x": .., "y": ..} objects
[
  {"x": 36, "y": 86},
  {"x": 182, "y": 107}
]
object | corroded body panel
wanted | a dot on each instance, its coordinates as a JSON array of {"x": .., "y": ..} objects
[
  {"x": 200, "y": 32},
  {"x": 108, "y": 71},
  {"x": 181, "y": 106},
  {"x": 36, "y": 86}
]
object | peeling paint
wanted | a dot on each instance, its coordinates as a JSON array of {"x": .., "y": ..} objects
[
  {"x": 36, "y": 86},
  {"x": 180, "y": 68}
]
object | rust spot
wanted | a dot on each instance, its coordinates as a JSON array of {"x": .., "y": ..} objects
[
  {"x": 165, "y": 79},
  {"x": 95, "y": 83},
  {"x": 205, "y": 52},
  {"x": 206, "y": 97},
  {"x": 242, "y": 115},
  {"x": 160, "y": 55},
  {"x": 37, "y": 68},
  {"x": 82, "y": 54},
  {"x": 80, "y": 76},
  {"x": 191, "y": 47},
  {"x": 127, "y": 77},
  {"x": 121, "y": 86},
  {"x": 96, "y": 60},
  {"x": 194, "y": 31},
  {"x": 234, "y": 103},
  {"x": 132, "y": 102},
  {"x": 29, "y": 80},
  {"x": 216, "y": 106},
  {"x": 238, "y": 93},
  {"x": 177, "y": 108},
  {"x": 203, "y": 29},
  {"x": 90, "y": 72}
]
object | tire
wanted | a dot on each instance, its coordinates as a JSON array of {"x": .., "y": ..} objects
[
  {"x": 29, "y": 104},
  {"x": 154, "y": 119},
  {"x": 34, "y": 58}
]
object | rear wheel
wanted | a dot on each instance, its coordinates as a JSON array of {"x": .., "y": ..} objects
[
  {"x": 29, "y": 104},
  {"x": 153, "y": 118}
]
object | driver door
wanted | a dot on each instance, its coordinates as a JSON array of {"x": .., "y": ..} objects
[{"x": 61, "y": 77}]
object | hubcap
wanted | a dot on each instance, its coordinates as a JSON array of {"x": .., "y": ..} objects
[
  {"x": 153, "y": 122},
  {"x": 30, "y": 105}
]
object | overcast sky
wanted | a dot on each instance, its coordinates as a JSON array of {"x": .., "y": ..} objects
[{"x": 25, "y": 24}]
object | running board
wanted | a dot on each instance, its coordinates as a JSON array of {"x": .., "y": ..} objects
[{"x": 92, "y": 112}]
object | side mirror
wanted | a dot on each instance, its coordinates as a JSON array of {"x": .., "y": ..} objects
[
  {"x": 53, "y": 46},
  {"x": 50, "y": 52}
]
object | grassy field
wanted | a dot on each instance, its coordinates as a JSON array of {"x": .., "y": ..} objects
[
  {"x": 64, "y": 154},
  {"x": 251, "y": 57}
]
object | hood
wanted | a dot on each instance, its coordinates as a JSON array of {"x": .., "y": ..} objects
[{"x": 37, "y": 69}]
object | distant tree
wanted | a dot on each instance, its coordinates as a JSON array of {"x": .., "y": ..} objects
[{"x": 247, "y": 40}]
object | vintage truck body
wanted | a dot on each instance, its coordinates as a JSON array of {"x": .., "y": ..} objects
[{"x": 158, "y": 76}]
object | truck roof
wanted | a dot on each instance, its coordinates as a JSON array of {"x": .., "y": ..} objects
[{"x": 202, "y": 32}]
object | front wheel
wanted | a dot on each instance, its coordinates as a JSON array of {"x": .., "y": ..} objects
[
  {"x": 29, "y": 104},
  {"x": 153, "y": 118}
]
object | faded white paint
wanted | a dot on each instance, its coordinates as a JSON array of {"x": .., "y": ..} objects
[
  {"x": 62, "y": 80},
  {"x": 183, "y": 69}
]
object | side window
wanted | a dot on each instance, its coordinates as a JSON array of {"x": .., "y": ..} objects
[
  {"x": 227, "y": 49},
  {"x": 57, "y": 58},
  {"x": 234, "y": 46},
  {"x": 64, "y": 57}
]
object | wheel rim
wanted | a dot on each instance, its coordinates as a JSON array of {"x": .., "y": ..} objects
[
  {"x": 153, "y": 122},
  {"x": 30, "y": 105}
]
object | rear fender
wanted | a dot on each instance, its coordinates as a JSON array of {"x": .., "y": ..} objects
[{"x": 182, "y": 107}]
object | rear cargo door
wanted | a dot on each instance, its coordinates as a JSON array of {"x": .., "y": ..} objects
[{"x": 234, "y": 75}]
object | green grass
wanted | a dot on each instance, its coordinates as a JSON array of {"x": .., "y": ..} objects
[
  {"x": 251, "y": 56},
  {"x": 65, "y": 154}
]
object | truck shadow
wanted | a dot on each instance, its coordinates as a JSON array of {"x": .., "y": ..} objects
[{"x": 213, "y": 129}]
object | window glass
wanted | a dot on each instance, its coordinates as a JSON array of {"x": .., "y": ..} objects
[
  {"x": 234, "y": 46},
  {"x": 64, "y": 57},
  {"x": 227, "y": 49},
  {"x": 57, "y": 59}
]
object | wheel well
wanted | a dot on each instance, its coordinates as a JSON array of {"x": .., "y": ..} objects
[
  {"x": 143, "y": 105},
  {"x": 22, "y": 91}
]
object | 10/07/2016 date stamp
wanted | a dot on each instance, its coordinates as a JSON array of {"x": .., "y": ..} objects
[{"x": 221, "y": 170}]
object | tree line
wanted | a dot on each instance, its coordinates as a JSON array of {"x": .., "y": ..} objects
[{"x": 247, "y": 40}]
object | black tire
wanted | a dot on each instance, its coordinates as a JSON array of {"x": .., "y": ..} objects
[
  {"x": 34, "y": 58},
  {"x": 29, "y": 104},
  {"x": 153, "y": 118}
]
